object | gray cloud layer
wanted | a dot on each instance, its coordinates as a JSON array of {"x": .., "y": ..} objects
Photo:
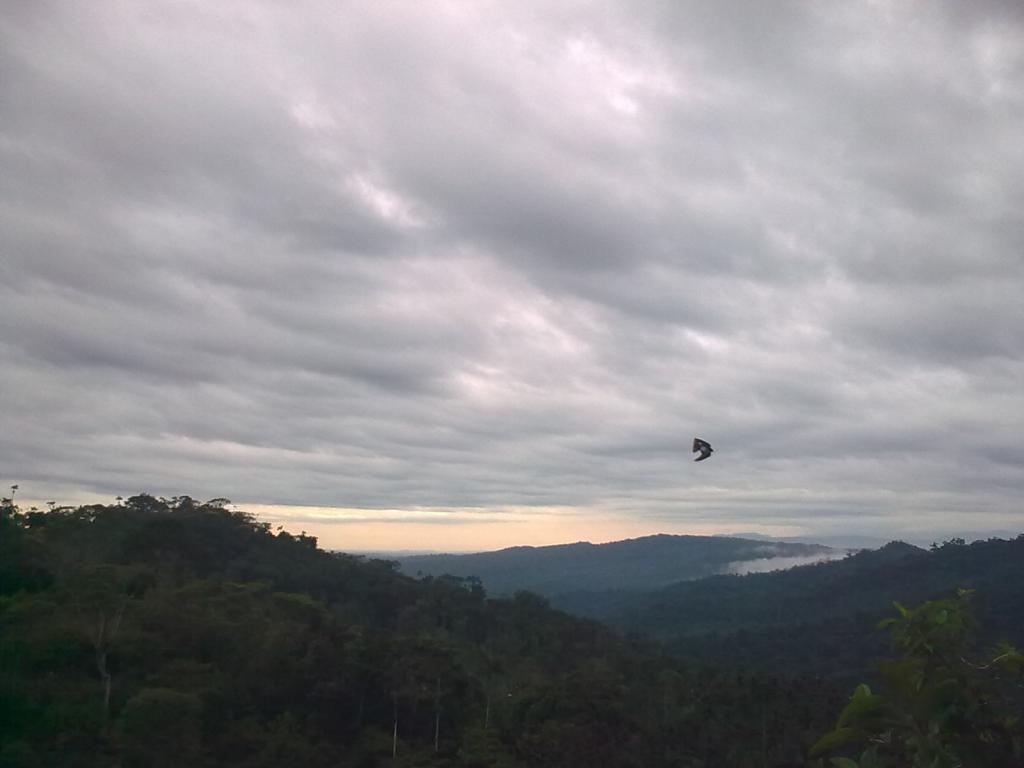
[{"x": 494, "y": 254}]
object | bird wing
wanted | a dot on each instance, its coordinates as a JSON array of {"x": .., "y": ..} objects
[{"x": 703, "y": 446}]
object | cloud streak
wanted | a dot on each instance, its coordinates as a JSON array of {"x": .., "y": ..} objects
[{"x": 501, "y": 257}]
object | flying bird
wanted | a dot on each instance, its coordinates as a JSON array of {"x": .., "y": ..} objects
[{"x": 703, "y": 446}]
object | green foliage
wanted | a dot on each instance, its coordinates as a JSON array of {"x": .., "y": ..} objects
[
  {"x": 939, "y": 709},
  {"x": 483, "y": 748},
  {"x": 161, "y": 727},
  {"x": 176, "y": 632},
  {"x": 19, "y": 754},
  {"x": 792, "y": 620},
  {"x": 20, "y": 569}
]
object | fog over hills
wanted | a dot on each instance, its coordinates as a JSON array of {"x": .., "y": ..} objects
[
  {"x": 649, "y": 562},
  {"x": 857, "y": 590}
]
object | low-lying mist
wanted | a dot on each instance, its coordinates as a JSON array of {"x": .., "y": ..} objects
[{"x": 766, "y": 564}]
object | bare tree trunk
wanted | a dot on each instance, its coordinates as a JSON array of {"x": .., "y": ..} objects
[
  {"x": 104, "y": 637},
  {"x": 107, "y": 684},
  {"x": 99, "y": 646},
  {"x": 394, "y": 733},
  {"x": 105, "y": 681}
]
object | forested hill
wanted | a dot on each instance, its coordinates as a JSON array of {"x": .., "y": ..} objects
[
  {"x": 819, "y": 617},
  {"x": 167, "y": 632},
  {"x": 644, "y": 563},
  {"x": 863, "y": 583}
]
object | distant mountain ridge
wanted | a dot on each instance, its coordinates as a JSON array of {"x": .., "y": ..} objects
[
  {"x": 645, "y": 563},
  {"x": 821, "y": 617},
  {"x": 867, "y": 581},
  {"x": 818, "y": 618}
]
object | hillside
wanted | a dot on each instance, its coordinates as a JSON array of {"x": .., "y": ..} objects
[
  {"x": 167, "y": 632},
  {"x": 818, "y": 617},
  {"x": 644, "y": 563},
  {"x": 862, "y": 583}
]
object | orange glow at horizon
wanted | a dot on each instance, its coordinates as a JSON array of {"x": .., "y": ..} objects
[{"x": 456, "y": 530}]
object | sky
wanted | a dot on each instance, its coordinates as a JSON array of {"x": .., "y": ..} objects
[{"x": 467, "y": 275}]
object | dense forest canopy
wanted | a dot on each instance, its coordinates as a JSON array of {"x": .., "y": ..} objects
[
  {"x": 814, "y": 618},
  {"x": 158, "y": 632}
]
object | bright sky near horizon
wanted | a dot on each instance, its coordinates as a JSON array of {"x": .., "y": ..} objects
[{"x": 446, "y": 275}]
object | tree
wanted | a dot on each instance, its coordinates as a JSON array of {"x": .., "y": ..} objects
[
  {"x": 939, "y": 710},
  {"x": 99, "y": 598},
  {"x": 161, "y": 727}
]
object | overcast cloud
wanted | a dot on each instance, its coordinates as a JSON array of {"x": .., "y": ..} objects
[{"x": 483, "y": 258}]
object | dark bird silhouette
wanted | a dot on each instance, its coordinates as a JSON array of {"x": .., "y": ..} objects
[{"x": 703, "y": 446}]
